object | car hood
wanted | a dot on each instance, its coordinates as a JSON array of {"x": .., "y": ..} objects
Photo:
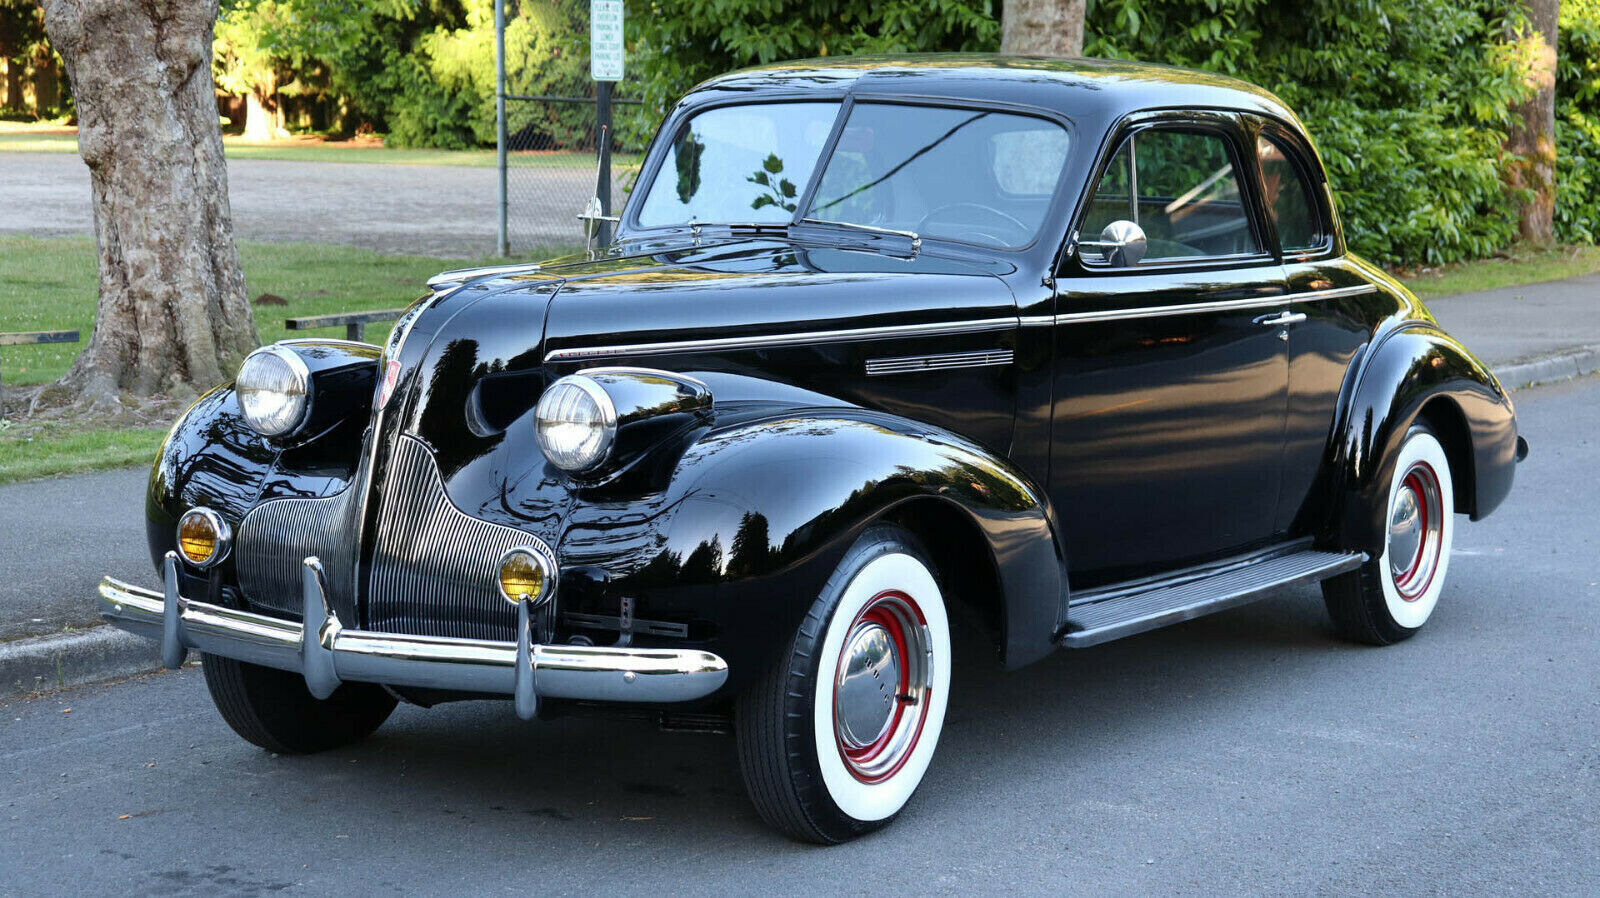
[{"x": 490, "y": 345}]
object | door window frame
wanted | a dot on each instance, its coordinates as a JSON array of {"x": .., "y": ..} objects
[
  {"x": 1227, "y": 125},
  {"x": 1295, "y": 151}
]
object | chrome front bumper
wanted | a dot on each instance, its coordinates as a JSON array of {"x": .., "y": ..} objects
[{"x": 333, "y": 655}]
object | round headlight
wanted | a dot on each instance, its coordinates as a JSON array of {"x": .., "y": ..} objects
[
  {"x": 272, "y": 390},
  {"x": 203, "y": 537},
  {"x": 577, "y": 423},
  {"x": 527, "y": 572}
]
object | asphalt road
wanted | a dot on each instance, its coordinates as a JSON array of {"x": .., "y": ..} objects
[
  {"x": 41, "y": 591},
  {"x": 447, "y": 211},
  {"x": 1246, "y": 752}
]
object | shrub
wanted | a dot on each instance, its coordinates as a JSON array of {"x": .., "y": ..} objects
[{"x": 1578, "y": 123}]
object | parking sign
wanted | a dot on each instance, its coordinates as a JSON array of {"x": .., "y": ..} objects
[{"x": 605, "y": 40}]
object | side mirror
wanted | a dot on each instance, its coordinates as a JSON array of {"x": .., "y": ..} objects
[
  {"x": 594, "y": 223},
  {"x": 1121, "y": 244}
]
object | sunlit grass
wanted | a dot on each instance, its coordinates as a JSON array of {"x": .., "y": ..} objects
[
  {"x": 56, "y": 449},
  {"x": 1522, "y": 265},
  {"x": 50, "y": 284},
  {"x": 311, "y": 150}
]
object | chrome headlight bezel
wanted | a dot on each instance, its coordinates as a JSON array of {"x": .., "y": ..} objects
[
  {"x": 637, "y": 408},
  {"x": 297, "y": 398},
  {"x": 604, "y": 420}
]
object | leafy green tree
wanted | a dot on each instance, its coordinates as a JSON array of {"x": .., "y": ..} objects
[
  {"x": 676, "y": 44},
  {"x": 1577, "y": 206},
  {"x": 1408, "y": 101},
  {"x": 30, "y": 62}
]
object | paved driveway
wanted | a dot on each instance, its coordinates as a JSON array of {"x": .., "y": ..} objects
[{"x": 445, "y": 211}]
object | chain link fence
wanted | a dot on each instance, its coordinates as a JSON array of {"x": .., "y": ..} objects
[{"x": 552, "y": 140}]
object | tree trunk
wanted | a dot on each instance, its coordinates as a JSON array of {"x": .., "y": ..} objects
[
  {"x": 263, "y": 120},
  {"x": 173, "y": 316},
  {"x": 1041, "y": 28},
  {"x": 46, "y": 86},
  {"x": 1533, "y": 126}
]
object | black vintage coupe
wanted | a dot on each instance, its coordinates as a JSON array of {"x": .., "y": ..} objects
[{"x": 1074, "y": 346}]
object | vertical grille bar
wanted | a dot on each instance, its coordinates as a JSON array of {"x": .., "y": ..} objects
[{"x": 434, "y": 567}]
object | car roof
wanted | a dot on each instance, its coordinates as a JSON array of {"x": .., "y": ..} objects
[{"x": 1080, "y": 88}]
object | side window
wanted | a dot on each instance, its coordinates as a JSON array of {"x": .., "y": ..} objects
[
  {"x": 1180, "y": 187},
  {"x": 1289, "y": 198}
]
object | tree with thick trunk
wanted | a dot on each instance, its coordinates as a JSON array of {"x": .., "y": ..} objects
[
  {"x": 1533, "y": 125},
  {"x": 1042, "y": 28},
  {"x": 173, "y": 316}
]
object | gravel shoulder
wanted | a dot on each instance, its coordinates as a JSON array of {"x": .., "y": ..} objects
[{"x": 445, "y": 211}]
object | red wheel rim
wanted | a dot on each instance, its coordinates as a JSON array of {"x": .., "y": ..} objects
[
  {"x": 1416, "y": 531},
  {"x": 882, "y": 686}
]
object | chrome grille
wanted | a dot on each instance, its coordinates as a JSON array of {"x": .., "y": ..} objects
[
  {"x": 434, "y": 567},
  {"x": 276, "y": 536}
]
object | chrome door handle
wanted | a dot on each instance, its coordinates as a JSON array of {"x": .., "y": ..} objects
[{"x": 1280, "y": 319}]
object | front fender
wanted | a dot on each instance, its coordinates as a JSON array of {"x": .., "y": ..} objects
[
  {"x": 211, "y": 457},
  {"x": 765, "y": 509},
  {"x": 1414, "y": 368}
]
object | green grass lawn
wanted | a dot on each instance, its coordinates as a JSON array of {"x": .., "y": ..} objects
[
  {"x": 1521, "y": 266},
  {"x": 57, "y": 449},
  {"x": 49, "y": 284},
  {"x": 24, "y": 141}
]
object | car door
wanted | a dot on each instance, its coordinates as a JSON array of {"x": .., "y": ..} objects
[
  {"x": 1332, "y": 292},
  {"x": 1171, "y": 375}
]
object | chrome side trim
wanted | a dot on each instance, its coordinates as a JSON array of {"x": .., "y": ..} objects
[
  {"x": 887, "y": 332},
  {"x": 981, "y": 358},
  {"x": 1226, "y": 305},
  {"x": 1333, "y": 293},
  {"x": 327, "y": 654},
  {"x": 458, "y": 276}
]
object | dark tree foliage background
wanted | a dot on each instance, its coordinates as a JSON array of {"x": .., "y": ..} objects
[{"x": 1578, "y": 123}]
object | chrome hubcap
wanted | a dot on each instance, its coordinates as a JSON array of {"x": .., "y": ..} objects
[
  {"x": 1416, "y": 531},
  {"x": 868, "y": 687},
  {"x": 880, "y": 688}
]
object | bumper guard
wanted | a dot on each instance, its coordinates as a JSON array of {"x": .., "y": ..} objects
[{"x": 522, "y": 669}]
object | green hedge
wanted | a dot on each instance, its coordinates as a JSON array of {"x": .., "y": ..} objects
[
  {"x": 1578, "y": 123},
  {"x": 1407, "y": 99}
]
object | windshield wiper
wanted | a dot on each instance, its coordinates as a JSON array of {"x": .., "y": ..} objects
[{"x": 916, "y": 241}]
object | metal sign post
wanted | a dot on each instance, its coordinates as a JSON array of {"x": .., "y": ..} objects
[
  {"x": 605, "y": 67},
  {"x": 502, "y": 245}
]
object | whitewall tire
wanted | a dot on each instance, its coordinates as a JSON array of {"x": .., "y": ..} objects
[
  {"x": 1390, "y": 597},
  {"x": 836, "y": 738}
]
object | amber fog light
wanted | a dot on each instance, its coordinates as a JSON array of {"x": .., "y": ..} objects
[
  {"x": 527, "y": 571},
  {"x": 203, "y": 537}
]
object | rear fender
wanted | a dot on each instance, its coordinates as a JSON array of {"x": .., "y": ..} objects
[{"x": 1415, "y": 368}]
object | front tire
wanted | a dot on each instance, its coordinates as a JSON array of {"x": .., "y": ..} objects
[
  {"x": 1389, "y": 598},
  {"x": 273, "y": 709},
  {"x": 836, "y": 737}
]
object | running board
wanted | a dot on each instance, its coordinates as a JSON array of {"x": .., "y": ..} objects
[{"x": 1112, "y": 613}]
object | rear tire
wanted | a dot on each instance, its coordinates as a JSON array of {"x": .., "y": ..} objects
[
  {"x": 836, "y": 737},
  {"x": 273, "y": 709},
  {"x": 1390, "y": 597}
]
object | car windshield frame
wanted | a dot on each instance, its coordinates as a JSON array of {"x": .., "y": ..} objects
[{"x": 1053, "y": 218}]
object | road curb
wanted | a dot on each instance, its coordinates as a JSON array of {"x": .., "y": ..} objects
[
  {"x": 62, "y": 661},
  {"x": 1550, "y": 368}
]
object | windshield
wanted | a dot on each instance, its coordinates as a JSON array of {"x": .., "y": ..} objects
[
  {"x": 968, "y": 175},
  {"x": 739, "y": 165}
]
